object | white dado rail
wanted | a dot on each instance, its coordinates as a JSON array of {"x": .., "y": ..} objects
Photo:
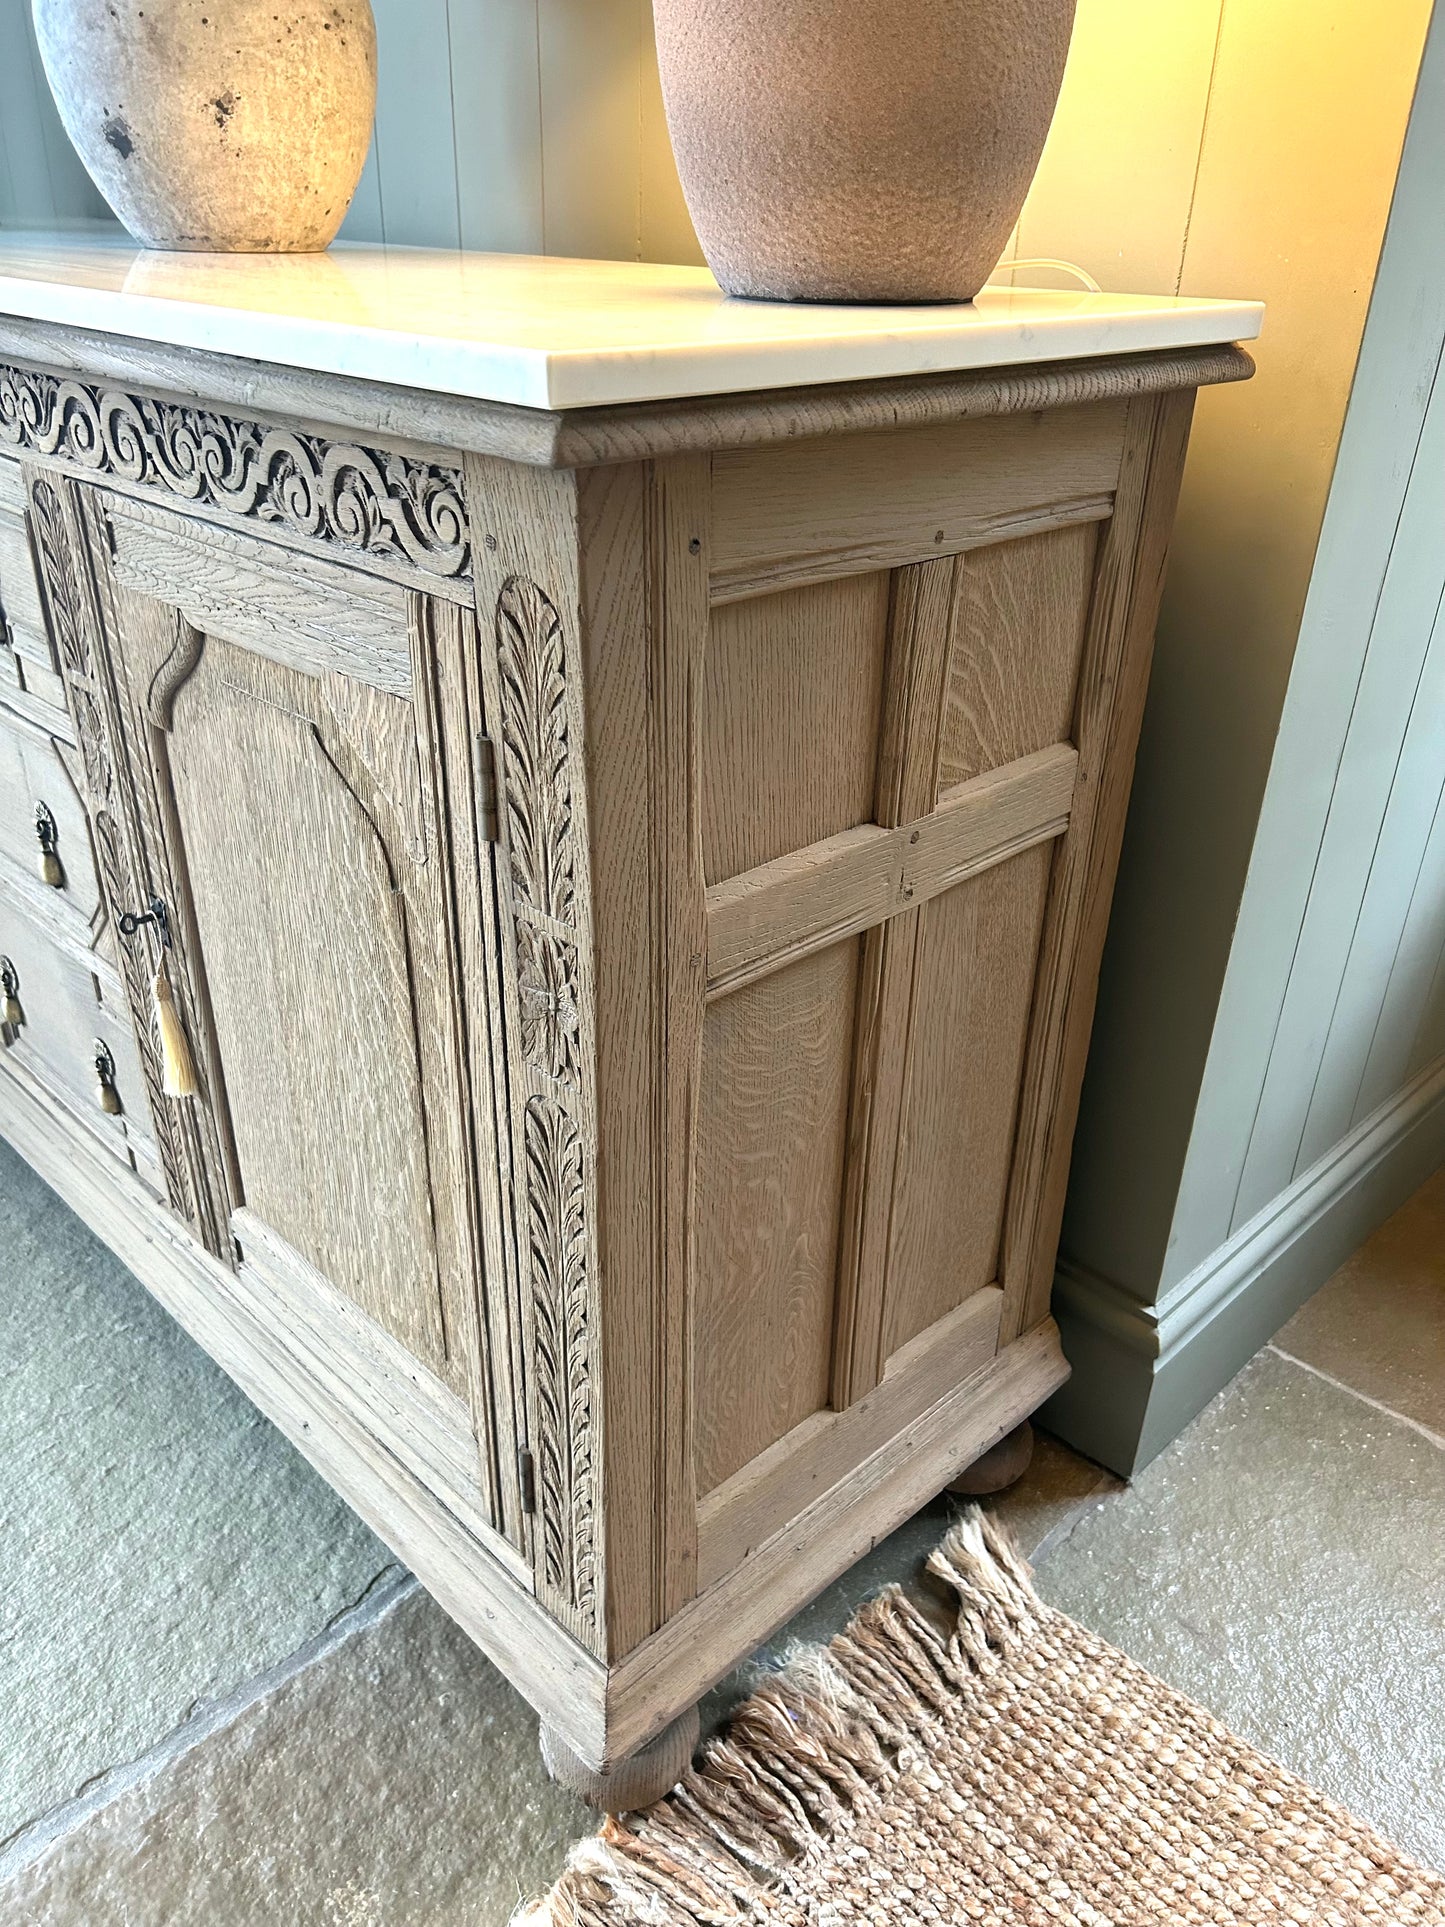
[{"x": 625, "y": 787}]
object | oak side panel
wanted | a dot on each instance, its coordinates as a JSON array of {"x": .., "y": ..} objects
[
  {"x": 790, "y": 714},
  {"x": 731, "y": 1618},
  {"x": 1118, "y": 645},
  {"x": 1015, "y": 664},
  {"x": 764, "y": 1498},
  {"x": 812, "y": 898},
  {"x": 822, "y": 508},
  {"x": 771, "y": 1134},
  {"x": 973, "y": 970}
]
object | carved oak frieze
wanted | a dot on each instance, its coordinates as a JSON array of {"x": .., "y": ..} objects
[{"x": 388, "y": 506}]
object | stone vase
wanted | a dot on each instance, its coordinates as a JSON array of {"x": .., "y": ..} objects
[
  {"x": 858, "y": 150},
  {"x": 235, "y": 125}
]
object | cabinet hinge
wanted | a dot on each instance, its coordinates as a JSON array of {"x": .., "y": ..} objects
[
  {"x": 484, "y": 758},
  {"x": 527, "y": 1479}
]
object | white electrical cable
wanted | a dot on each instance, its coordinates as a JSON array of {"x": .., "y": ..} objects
[{"x": 1045, "y": 261}]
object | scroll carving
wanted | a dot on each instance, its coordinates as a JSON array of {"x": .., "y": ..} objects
[
  {"x": 557, "y": 1233},
  {"x": 535, "y": 749},
  {"x": 388, "y": 506}
]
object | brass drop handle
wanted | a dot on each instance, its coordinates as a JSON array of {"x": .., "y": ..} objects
[
  {"x": 12, "y": 1016},
  {"x": 107, "y": 1096},
  {"x": 47, "y": 834}
]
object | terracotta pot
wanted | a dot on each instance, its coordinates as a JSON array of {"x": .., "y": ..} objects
[
  {"x": 858, "y": 150},
  {"x": 238, "y": 125}
]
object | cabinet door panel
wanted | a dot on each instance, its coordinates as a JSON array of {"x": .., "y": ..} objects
[
  {"x": 285, "y": 731},
  {"x": 283, "y": 806}
]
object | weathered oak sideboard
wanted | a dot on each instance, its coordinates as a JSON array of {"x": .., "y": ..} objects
[{"x": 625, "y": 788}]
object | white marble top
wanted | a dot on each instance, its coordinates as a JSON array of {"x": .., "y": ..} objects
[{"x": 546, "y": 332}]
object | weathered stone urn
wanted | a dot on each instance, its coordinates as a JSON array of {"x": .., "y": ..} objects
[
  {"x": 858, "y": 150},
  {"x": 236, "y": 125}
]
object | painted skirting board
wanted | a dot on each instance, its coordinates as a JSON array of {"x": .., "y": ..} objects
[{"x": 1141, "y": 1372}]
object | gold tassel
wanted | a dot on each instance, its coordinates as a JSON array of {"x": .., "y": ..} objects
[{"x": 178, "y": 1069}]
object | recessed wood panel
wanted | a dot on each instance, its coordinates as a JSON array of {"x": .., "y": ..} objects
[
  {"x": 1018, "y": 636},
  {"x": 791, "y": 695},
  {"x": 820, "y": 508},
  {"x": 771, "y": 1135},
  {"x": 312, "y": 968},
  {"x": 972, "y": 990}
]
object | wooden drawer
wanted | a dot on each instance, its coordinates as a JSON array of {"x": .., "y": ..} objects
[
  {"x": 29, "y": 674},
  {"x": 36, "y": 774},
  {"x": 73, "y": 1014}
]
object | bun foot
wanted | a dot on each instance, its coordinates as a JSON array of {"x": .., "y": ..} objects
[
  {"x": 1000, "y": 1466},
  {"x": 638, "y": 1781}
]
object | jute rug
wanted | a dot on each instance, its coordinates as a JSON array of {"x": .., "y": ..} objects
[{"x": 1012, "y": 1770}]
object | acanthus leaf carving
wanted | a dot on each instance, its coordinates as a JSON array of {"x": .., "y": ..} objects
[
  {"x": 557, "y": 1234},
  {"x": 535, "y": 750},
  {"x": 362, "y": 500},
  {"x": 62, "y": 590}
]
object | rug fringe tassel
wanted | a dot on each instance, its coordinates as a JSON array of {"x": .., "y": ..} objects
[{"x": 806, "y": 1750}]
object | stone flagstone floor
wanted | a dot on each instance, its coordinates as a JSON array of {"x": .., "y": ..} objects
[{"x": 221, "y": 1702}]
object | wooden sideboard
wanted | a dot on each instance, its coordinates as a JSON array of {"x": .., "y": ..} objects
[{"x": 634, "y": 881}]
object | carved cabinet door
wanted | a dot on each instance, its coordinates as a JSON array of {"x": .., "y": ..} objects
[{"x": 279, "y": 749}]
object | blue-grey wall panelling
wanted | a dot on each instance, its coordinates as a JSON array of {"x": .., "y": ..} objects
[
  {"x": 42, "y": 183},
  {"x": 1407, "y": 1035},
  {"x": 1356, "y": 822},
  {"x": 1400, "y": 352},
  {"x": 497, "y": 124},
  {"x": 1396, "y": 874},
  {"x": 415, "y": 146}
]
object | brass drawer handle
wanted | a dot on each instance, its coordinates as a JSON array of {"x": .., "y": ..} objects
[
  {"x": 47, "y": 834},
  {"x": 12, "y": 1016},
  {"x": 107, "y": 1096}
]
